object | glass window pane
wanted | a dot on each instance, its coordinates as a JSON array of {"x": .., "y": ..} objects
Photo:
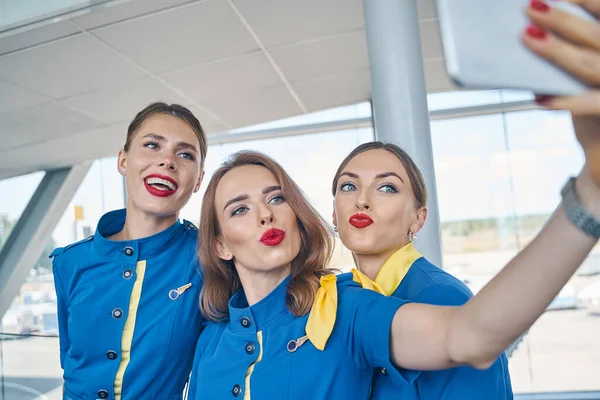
[
  {"x": 499, "y": 179},
  {"x": 561, "y": 351},
  {"x": 474, "y": 197},
  {"x": 101, "y": 191},
  {"x": 30, "y": 356},
  {"x": 15, "y": 193}
]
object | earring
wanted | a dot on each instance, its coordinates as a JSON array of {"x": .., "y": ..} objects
[
  {"x": 335, "y": 228},
  {"x": 412, "y": 236},
  {"x": 122, "y": 171}
]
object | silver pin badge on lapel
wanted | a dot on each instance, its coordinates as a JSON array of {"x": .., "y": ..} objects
[
  {"x": 175, "y": 293},
  {"x": 293, "y": 345}
]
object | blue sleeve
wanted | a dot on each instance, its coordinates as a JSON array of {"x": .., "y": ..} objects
[
  {"x": 466, "y": 382},
  {"x": 437, "y": 295},
  {"x": 443, "y": 295},
  {"x": 62, "y": 313},
  {"x": 365, "y": 318}
]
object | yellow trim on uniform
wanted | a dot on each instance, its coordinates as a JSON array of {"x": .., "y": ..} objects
[
  {"x": 395, "y": 268},
  {"x": 127, "y": 336},
  {"x": 251, "y": 367}
]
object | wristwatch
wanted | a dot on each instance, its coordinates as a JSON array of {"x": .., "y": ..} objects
[{"x": 575, "y": 211}]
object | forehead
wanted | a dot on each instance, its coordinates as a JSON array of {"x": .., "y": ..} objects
[
  {"x": 172, "y": 128},
  {"x": 247, "y": 179},
  {"x": 376, "y": 161}
]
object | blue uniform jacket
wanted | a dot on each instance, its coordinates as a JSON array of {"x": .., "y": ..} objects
[
  {"x": 426, "y": 283},
  {"x": 251, "y": 356},
  {"x": 128, "y": 312}
]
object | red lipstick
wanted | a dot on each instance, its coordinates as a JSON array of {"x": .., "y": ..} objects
[
  {"x": 360, "y": 221},
  {"x": 272, "y": 237},
  {"x": 160, "y": 185}
]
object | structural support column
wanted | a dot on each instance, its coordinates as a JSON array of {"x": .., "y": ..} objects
[
  {"x": 400, "y": 113},
  {"x": 34, "y": 228}
]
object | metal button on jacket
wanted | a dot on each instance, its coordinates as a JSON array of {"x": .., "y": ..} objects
[{"x": 246, "y": 322}]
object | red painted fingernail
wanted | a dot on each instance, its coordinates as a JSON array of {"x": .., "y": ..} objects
[
  {"x": 536, "y": 32},
  {"x": 539, "y": 5},
  {"x": 543, "y": 99}
]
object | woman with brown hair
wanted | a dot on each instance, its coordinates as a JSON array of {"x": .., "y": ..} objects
[
  {"x": 127, "y": 296},
  {"x": 286, "y": 327}
]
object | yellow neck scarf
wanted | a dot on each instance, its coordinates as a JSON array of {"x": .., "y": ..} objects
[
  {"x": 321, "y": 319},
  {"x": 396, "y": 267}
]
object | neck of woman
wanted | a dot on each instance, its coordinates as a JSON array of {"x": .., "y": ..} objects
[
  {"x": 140, "y": 224},
  {"x": 370, "y": 264},
  {"x": 258, "y": 284}
]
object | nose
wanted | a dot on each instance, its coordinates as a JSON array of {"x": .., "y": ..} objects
[
  {"x": 266, "y": 216},
  {"x": 168, "y": 163},
  {"x": 363, "y": 203}
]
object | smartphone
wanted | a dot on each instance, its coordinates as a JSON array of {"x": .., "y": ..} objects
[{"x": 483, "y": 48}]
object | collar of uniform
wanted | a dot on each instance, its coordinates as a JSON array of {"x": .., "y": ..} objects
[
  {"x": 261, "y": 314},
  {"x": 396, "y": 267},
  {"x": 130, "y": 250}
]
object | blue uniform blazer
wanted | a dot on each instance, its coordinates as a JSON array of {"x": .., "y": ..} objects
[
  {"x": 425, "y": 283},
  {"x": 128, "y": 312},
  {"x": 260, "y": 352}
]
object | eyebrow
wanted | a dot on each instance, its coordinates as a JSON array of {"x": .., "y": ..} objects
[
  {"x": 378, "y": 176},
  {"x": 244, "y": 196},
  {"x": 161, "y": 138},
  {"x": 350, "y": 174},
  {"x": 388, "y": 174}
]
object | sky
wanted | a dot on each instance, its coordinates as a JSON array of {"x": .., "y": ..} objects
[{"x": 486, "y": 167}]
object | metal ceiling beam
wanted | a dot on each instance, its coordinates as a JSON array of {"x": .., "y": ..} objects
[{"x": 34, "y": 228}]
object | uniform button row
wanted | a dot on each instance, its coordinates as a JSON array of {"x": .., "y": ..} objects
[
  {"x": 127, "y": 274},
  {"x": 250, "y": 348},
  {"x": 117, "y": 313},
  {"x": 102, "y": 394},
  {"x": 111, "y": 355},
  {"x": 128, "y": 251},
  {"x": 237, "y": 390}
]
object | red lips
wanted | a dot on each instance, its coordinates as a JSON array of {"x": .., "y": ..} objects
[
  {"x": 272, "y": 237},
  {"x": 360, "y": 221},
  {"x": 168, "y": 185}
]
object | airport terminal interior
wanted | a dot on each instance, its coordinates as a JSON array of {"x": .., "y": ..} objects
[{"x": 301, "y": 81}]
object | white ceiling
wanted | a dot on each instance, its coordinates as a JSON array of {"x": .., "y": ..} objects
[{"x": 69, "y": 88}]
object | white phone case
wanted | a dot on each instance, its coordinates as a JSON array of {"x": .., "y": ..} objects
[{"x": 483, "y": 48}]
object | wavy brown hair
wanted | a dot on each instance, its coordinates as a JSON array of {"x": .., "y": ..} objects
[{"x": 221, "y": 280}]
